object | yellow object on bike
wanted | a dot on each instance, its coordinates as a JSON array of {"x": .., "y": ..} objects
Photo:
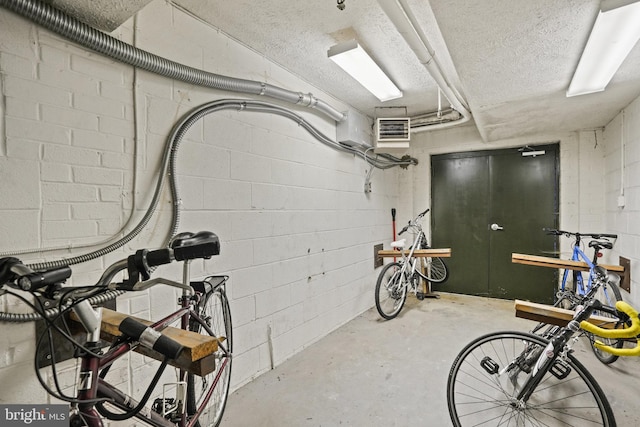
[{"x": 626, "y": 332}]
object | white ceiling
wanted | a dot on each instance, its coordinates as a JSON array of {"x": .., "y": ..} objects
[{"x": 510, "y": 61}]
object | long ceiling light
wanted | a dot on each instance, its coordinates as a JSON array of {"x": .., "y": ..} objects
[
  {"x": 615, "y": 33},
  {"x": 354, "y": 60}
]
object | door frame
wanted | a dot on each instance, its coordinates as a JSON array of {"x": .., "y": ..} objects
[{"x": 552, "y": 149}]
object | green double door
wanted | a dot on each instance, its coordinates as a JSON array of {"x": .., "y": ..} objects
[{"x": 487, "y": 205}]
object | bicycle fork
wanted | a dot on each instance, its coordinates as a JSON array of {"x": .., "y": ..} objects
[
  {"x": 548, "y": 360},
  {"x": 535, "y": 361}
]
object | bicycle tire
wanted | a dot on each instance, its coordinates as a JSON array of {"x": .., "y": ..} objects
[
  {"x": 435, "y": 270},
  {"x": 608, "y": 299},
  {"x": 478, "y": 391},
  {"x": 214, "y": 310},
  {"x": 391, "y": 290}
]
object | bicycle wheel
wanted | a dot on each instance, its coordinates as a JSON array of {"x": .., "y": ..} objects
[
  {"x": 435, "y": 270},
  {"x": 214, "y": 311},
  {"x": 487, "y": 375},
  {"x": 391, "y": 290},
  {"x": 608, "y": 294}
]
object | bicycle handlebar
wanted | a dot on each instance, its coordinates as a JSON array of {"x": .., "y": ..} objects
[
  {"x": 413, "y": 222},
  {"x": 40, "y": 280},
  {"x": 17, "y": 275},
  {"x": 627, "y": 332},
  {"x": 557, "y": 232},
  {"x": 184, "y": 247}
]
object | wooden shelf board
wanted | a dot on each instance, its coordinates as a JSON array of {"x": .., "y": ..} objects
[
  {"x": 418, "y": 253},
  {"x": 197, "y": 356},
  {"x": 554, "y": 315},
  {"x": 542, "y": 261}
]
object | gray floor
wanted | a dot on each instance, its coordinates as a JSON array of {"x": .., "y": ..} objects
[{"x": 372, "y": 372}]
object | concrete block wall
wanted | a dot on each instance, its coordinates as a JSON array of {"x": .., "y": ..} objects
[
  {"x": 622, "y": 162},
  {"x": 81, "y": 138}
]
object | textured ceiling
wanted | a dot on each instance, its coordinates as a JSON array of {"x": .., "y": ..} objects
[
  {"x": 510, "y": 61},
  {"x": 106, "y": 15}
]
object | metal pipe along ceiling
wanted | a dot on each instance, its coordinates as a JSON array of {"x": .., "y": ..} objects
[
  {"x": 81, "y": 33},
  {"x": 405, "y": 22}
]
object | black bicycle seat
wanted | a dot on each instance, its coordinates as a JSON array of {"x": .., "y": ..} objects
[
  {"x": 600, "y": 244},
  {"x": 203, "y": 244}
]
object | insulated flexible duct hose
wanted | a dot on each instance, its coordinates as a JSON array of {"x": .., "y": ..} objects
[
  {"x": 31, "y": 317},
  {"x": 169, "y": 163},
  {"x": 181, "y": 128},
  {"x": 81, "y": 33}
]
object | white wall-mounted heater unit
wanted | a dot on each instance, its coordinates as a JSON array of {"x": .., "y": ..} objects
[{"x": 393, "y": 134}]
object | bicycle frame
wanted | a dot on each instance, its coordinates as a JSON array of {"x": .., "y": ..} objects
[
  {"x": 92, "y": 386},
  {"x": 581, "y": 290},
  {"x": 579, "y": 255},
  {"x": 410, "y": 263},
  {"x": 548, "y": 356}
]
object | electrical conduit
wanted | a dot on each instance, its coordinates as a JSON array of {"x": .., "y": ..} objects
[{"x": 81, "y": 33}]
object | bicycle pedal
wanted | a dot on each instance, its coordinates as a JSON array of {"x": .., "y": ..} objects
[
  {"x": 489, "y": 365},
  {"x": 560, "y": 370},
  {"x": 169, "y": 407},
  {"x": 165, "y": 406}
]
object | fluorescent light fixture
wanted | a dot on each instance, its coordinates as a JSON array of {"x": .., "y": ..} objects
[
  {"x": 355, "y": 61},
  {"x": 533, "y": 153},
  {"x": 615, "y": 33}
]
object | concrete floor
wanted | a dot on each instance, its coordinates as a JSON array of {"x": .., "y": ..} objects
[{"x": 372, "y": 372}]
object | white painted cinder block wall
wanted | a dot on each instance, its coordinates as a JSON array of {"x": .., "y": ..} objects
[
  {"x": 622, "y": 178},
  {"x": 296, "y": 228}
]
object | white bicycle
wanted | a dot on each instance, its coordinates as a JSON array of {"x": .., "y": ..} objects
[{"x": 397, "y": 277}]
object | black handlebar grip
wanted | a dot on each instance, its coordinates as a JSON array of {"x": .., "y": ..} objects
[
  {"x": 42, "y": 279},
  {"x": 425, "y": 212},
  {"x": 150, "y": 338},
  {"x": 402, "y": 231},
  {"x": 6, "y": 275},
  {"x": 159, "y": 257}
]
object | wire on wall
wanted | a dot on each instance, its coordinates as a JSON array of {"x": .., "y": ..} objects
[
  {"x": 78, "y": 32},
  {"x": 86, "y": 36}
]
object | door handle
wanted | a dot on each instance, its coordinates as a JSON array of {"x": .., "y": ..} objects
[{"x": 496, "y": 227}]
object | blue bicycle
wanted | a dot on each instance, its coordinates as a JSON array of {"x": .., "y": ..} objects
[{"x": 574, "y": 288}]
